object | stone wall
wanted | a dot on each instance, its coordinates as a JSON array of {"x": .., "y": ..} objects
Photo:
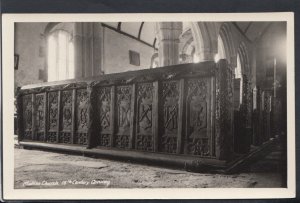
[
  {"x": 30, "y": 46},
  {"x": 116, "y": 52}
]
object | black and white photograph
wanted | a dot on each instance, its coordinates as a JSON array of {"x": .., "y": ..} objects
[{"x": 134, "y": 102}]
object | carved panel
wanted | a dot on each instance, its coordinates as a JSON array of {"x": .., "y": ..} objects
[
  {"x": 144, "y": 139},
  {"x": 52, "y": 116},
  {"x": 104, "y": 104},
  {"x": 82, "y": 109},
  {"x": 66, "y": 110},
  {"x": 27, "y": 116},
  {"x": 124, "y": 94},
  {"x": 168, "y": 141},
  {"x": 122, "y": 141},
  {"x": 53, "y": 110},
  {"x": 198, "y": 141},
  {"x": 52, "y": 137},
  {"x": 81, "y": 117},
  {"x": 65, "y": 134},
  {"x": 40, "y": 115},
  {"x": 65, "y": 137},
  {"x": 81, "y": 138},
  {"x": 104, "y": 140}
]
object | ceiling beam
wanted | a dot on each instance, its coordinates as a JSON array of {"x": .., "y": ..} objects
[
  {"x": 126, "y": 34},
  {"x": 154, "y": 42},
  {"x": 140, "y": 30},
  {"x": 119, "y": 26}
]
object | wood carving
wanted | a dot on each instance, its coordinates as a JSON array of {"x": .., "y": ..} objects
[
  {"x": 144, "y": 138},
  {"x": 40, "y": 115},
  {"x": 168, "y": 141},
  {"x": 104, "y": 105},
  {"x": 52, "y": 116},
  {"x": 65, "y": 134},
  {"x": 27, "y": 116},
  {"x": 124, "y": 94},
  {"x": 81, "y": 117},
  {"x": 197, "y": 142}
]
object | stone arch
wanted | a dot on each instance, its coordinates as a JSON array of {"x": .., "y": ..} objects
[
  {"x": 226, "y": 36},
  {"x": 243, "y": 54},
  {"x": 49, "y": 27},
  {"x": 205, "y": 38}
]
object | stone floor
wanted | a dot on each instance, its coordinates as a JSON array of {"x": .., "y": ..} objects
[{"x": 40, "y": 169}]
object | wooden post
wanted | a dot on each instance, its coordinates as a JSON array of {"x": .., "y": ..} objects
[
  {"x": 73, "y": 130},
  {"x": 180, "y": 116},
  {"x": 59, "y": 115},
  {"x": 45, "y": 116},
  {"x": 132, "y": 117},
  {"x": 155, "y": 126},
  {"x": 33, "y": 135},
  {"x": 91, "y": 134},
  {"x": 112, "y": 115}
]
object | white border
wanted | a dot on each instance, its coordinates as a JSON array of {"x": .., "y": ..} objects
[{"x": 201, "y": 193}]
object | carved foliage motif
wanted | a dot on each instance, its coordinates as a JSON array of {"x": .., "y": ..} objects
[
  {"x": 124, "y": 94},
  {"x": 53, "y": 111},
  {"x": 199, "y": 147},
  {"x": 104, "y": 103},
  {"x": 104, "y": 140},
  {"x": 81, "y": 138},
  {"x": 66, "y": 110},
  {"x": 197, "y": 141},
  {"x": 52, "y": 137},
  {"x": 122, "y": 141},
  {"x": 170, "y": 116},
  {"x": 144, "y": 117},
  {"x": 27, "y": 116},
  {"x": 65, "y": 137}
]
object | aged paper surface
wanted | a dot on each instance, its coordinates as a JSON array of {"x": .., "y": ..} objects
[{"x": 163, "y": 193}]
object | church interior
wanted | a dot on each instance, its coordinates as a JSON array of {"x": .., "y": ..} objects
[{"x": 192, "y": 94}]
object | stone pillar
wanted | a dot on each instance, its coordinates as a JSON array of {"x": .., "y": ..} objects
[
  {"x": 87, "y": 43},
  {"x": 78, "y": 47},
  {"x": 168, "y": 35}
]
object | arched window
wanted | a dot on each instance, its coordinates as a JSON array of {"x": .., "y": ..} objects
[
  {"x": 154, "y": 61},
  {"x": 60, "y": 56}
]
